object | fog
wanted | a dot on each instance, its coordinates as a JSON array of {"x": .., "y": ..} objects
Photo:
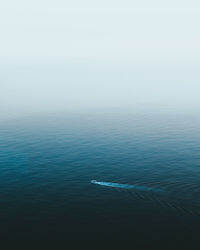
[{"x": 60, "y": 56}]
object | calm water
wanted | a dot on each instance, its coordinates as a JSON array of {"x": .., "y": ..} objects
[{"x": 47, "y": 164}]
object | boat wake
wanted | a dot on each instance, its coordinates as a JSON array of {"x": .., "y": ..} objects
[{"x": 126, "y": 186}]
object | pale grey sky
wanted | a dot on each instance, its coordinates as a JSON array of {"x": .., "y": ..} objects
[{"x": 59, "y": 55}]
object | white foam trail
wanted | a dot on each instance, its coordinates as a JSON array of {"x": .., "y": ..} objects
[{"x": 126, "y": 186}]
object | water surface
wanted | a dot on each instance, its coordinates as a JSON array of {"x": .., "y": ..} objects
[{"x": 47, "y": 164}]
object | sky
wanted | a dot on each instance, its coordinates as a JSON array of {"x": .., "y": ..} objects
[{"x": 83, "y": 54}]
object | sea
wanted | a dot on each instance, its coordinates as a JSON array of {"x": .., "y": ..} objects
[{"x": 51, "y": 164}]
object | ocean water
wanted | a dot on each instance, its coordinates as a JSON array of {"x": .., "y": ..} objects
[{"x": 47, "y": 164}]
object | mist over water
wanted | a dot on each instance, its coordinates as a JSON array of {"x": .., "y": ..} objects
[
  {"x": 40, "y": 88},
  {"x": 47, "y": 164}
]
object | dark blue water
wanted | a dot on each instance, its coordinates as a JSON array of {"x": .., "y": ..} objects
[{"x": 47, "y": 164}]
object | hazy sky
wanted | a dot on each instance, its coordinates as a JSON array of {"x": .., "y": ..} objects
[{"x": 61, "y": 55}]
